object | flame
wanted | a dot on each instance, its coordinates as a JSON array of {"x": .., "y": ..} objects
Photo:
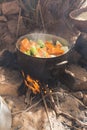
[{"x": 31, "y": 84}]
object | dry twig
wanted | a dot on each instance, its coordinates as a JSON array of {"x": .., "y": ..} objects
[
  {"x": 29, "y": 108},
  {"x": 57, "y": 110},
  {"x": 38, "y": 10},
  {"x": 18, "y": 24},
  {"x": 44, "y": 101}
]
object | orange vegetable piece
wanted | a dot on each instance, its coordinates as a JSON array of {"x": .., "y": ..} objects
[
  {"x": 25, "y": 45},
  {"x": 54, "y": 49},
  {"x": 59, "y": 45}
]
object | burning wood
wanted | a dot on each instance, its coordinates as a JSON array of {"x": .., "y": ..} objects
[{"x": 31, "y": 83}]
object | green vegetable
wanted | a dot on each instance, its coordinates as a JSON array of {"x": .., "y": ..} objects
[
  {"x": 57, "y": 42},
  {"x": 33, "y": 50},
  {"x": 27, "y": 52},
  {"x": 40, "y": 43}
]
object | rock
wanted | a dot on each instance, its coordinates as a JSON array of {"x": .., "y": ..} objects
[
  {"x": 15, "y": 28},
  {"x": 9, "y": 8},
  {"x": 85, "y": 99},
  {"x": 8, "y": 59},
  {"x": 5, "y": 114},
  {"x": 8, "y": 42},
  {"x": 74, "y": 57},
  {"x": 3, "y": 28},
  {"x": 78, "y": 95},
  {"x": 3, "y": 18},
  {"x": 12, "y": 26},
  {"x": 9, "y": 82},
  {"x": 81, "y": 45},
  {"x": 8, "y": 38},
  {"x": 82, "y": 86},
  {"x": 74, "y": 77},
  {"x": 80, "y": 77},
  {"x": 12, "y": 17}
]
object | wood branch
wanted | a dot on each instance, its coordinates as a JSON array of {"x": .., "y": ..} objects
[
  {"x": 78, "y": 122},
  {"x": 26, "y": 110},
  {"x": 18, "y": 24},
  {"x": 41, "y": 15},
  {"x": 45, "y": 105}
]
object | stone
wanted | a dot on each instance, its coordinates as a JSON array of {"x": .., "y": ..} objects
[
  {"x": 11, "y": 7},
  {"x": 3, "y": 18},
  {"x": 9, "y": 82},
  {"x": 8, "y": 38},
  {"x": 85, "y": 99},
  {"x": 74, "y": 57},
  {"x": 82, "y": 86},
  {"x": 78, "y": 95},
  {"x": 5, "y": 115},
  {"x": 3, "y": 29},
  {"x": 12, "y": 26},
  {"x": 80, "y": 77},
  {"x": 81, "y": 45}
]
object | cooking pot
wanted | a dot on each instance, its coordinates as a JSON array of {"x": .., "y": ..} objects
[
  {"x": 42, "y": 68},
  {"x": 79, "y": 19}
]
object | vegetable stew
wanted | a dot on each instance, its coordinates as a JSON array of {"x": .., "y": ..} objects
[{"x": 42, "y": 49}]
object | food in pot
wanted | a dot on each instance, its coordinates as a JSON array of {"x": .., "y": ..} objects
[{"x": 42, "y": 49}]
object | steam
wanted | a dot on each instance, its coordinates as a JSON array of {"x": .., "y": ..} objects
[{"x": 38, "y": 35}]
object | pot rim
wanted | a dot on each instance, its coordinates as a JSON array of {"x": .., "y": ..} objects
[
  {"x": 57, "y": 37},
  {"x": 73, "y": 14}
]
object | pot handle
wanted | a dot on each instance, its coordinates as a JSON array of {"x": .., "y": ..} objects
[
  {"x": 58, "y": 65},
  {"x": 62, "y": 63}
]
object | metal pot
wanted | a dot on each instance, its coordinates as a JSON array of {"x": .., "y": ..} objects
[
  {"x": 80, "y": 23},
  {"x": 41, "y": 68}
]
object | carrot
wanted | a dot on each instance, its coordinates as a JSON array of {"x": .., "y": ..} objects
[
  {"x": 25, "y": 45},
  {"x": 54, "y": 49}
]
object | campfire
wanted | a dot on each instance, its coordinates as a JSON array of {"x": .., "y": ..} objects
[
  {"x": 31, "y": 84},
  {"x": 45, "y": 93}
]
